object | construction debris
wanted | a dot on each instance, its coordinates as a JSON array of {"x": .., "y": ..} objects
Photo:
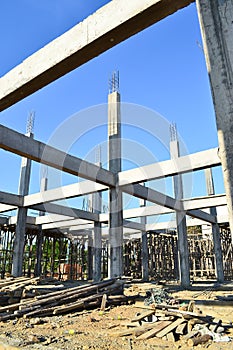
[
  {"x": 60, "y": 301},
  {"x": 165, "y": 319},
  {"x": 162, "y": 318}
]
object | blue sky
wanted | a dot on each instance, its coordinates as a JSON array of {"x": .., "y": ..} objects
[{"x": 161, "y": 68}]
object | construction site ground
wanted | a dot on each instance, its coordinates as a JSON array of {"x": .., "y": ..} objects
[{"x": 93, "y": 329}]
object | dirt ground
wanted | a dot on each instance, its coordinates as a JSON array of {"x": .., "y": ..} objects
[{"x": 92, "y": 329}]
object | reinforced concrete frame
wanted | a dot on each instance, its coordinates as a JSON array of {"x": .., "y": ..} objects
[{"x": 110, "y": 25}]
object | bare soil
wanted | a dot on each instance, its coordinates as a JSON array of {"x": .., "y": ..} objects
[{"x": 92, "y": 329}]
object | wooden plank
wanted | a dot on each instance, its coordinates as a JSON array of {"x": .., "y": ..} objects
[
  {"x": 135, "y": 330},
  {"x": 142, "y": 316},
  {"x": 180, "y": 328},
  {"x": 170, "y": 337},
  {"x": 170, "y": 327},
  {"x": 157, "y": 328}
]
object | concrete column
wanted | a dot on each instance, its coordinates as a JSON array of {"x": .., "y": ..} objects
[
  {"x": 145, "y": 253},
  {"x": 40, "y": 236},
  {"x": 19, "y": 242},
  {"x": 90, "y": 257},
  {"x": 215, "y": 228},
  {"x": 183, "y": 250},
  {"x": 215, "y": 18},
  {"x": 97, "y": 252},
  {"x": 115, "y": 195}
]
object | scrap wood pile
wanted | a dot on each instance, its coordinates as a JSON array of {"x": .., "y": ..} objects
[
  {"x": 167, "y": 320},
  {"x": 60, "y": 301}
]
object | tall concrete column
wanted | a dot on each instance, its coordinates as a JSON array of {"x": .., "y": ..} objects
[
  {"x": 215, "y": 228},
  {"x": 145, "y": 252},
  {"x": 90, "y": 257},
  {"x": 19, "y": 242},
  {"x": 97, "y": 237},
  {"x": 115, "y": 195},
  {"x": 215, "y": 18},
  {"x": 40, "y": 236},
  {"x": 183, "y": 249}
]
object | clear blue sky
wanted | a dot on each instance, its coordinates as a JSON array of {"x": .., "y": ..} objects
[{"x": 161, "y": 68}]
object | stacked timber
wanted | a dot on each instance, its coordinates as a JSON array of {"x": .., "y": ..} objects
[
  {"x": 67, "y": 300},
  {"x": 175, "y": 323}
]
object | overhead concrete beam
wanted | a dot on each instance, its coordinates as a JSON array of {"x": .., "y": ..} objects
[
  {"x": 152, "y": 196},
  {"x": 164, "y": 200},
  {"x": 110, "y": 25},
  {"x": 67, "y": 211},
  {"x": 5, "y": 207},
  {"x": 205, "y": 202},
  {"x": 11, "y": 199},
  {"x": 46, "y": 219},
  {"x": 68, "y": 225},
  {"x": 24, "y": 146},
  {"x": 70, "y": 191},
  {"x": 134, "y": 225},
  {"x": 181, "y": 165},
  {"x": 198, "y": 161}
]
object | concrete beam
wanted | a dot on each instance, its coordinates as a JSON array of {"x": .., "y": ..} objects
[
  {"x": 181, "y": 165},
  {"x": 134, "y": 225},
  {"x": 11, "y": 199},
  {"x": 6, "y": 207},
  {"x": 110, "y": 25},
  {"x": 164, "y": 200},
  {"x": 67, "y": 211},
  {"x": 24, "y": 146},
  {"x": 69, "y": 225},
  {"x": 205, "y": 202},
  {"x": 70, "y": 191},
  {"x": 198, "y": 161}
]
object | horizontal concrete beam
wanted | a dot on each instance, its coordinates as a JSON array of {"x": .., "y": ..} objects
[
  {"x": 165, "y": 201},
  {"x": 70, "y": 191},
  {"x": 153, "y": 196},
  {"x": 205, "y": 202},
  {"x": 67, "y": 211},
  {"x": 11, "y": 199},
  {"x": 190, "y": 222},
  {"x": 6, "y": 207},
  {"x": 134, "y": 225},
  {"x": 68, "y": 224},
  {"x": 181, "y": 165},
  {"x": 24, "y": 146},
  {"x": 201, "y": 215},
  {"x": 110, "y": 25}
]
